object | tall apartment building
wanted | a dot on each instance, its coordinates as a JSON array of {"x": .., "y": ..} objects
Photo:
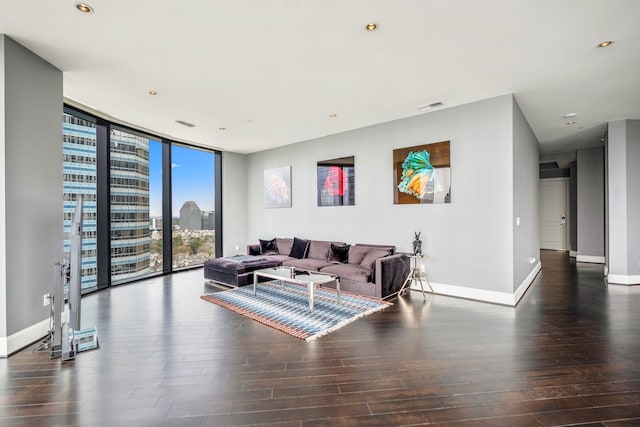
[
  {"x": 130, "y": 234},
  {"x": 79, "y": 169}
]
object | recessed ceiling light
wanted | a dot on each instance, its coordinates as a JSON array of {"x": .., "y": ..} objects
[
  {"x": 571, "y": 123},
  {"x": 187, "y": 124},
  {"x": 84, "y": 8},
  {"x": 371, "y": 26},
  {"x": 606, "y": 43},
  {"x": 569, "y": 115},
  {"x": 428, "y": 107},
  {"x": 333, "y": 115},
  {"x": 153, "y": 92}
]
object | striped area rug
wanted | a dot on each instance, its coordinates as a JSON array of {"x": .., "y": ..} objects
[{"x": 285, "y": 307}]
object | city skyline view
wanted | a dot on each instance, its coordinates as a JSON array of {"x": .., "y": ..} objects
[
  {"x": 192, "y": 176},
  {"x": 135, "y": 193}
]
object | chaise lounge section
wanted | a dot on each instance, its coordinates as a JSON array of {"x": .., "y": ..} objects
[{"x": 364, "y": 269}]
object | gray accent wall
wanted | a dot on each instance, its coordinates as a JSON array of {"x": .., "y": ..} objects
[
  {"x": 31, "y": 214},
  {"x": 590, "y": 175},
  {"x": 573, "y": 206},
  {"x": 234, "y": 203},
  {"x": 468, "y": 242},
  {"x": 3, "y": 206},
  {"x": 633, "y": 196},
  {"x": 526, "y": 234},
  {"x": 624, "y": 197}
]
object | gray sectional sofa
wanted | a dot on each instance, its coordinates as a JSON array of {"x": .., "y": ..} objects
[{"x": 370, "y": 270}]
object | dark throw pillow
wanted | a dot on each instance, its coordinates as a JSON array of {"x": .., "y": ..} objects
[
  {"x": 299, "y": 248},
  {"x": 338, "y": 254},
  {"x": 268, "y": 247}
]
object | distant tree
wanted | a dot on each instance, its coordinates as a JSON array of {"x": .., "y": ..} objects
[
  {"x": 195, "y": 244},
  {"x": 156, "y": 246}
]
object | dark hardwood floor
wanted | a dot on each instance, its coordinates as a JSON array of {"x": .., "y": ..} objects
[{"x": 569, "y": 354}]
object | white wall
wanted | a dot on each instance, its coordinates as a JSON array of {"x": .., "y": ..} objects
[
  {"x": 468, "y": 243},
  {"x": 234, "y": 203},
  {"x": 32, "y": 192},
  {"x": 590, "y": 165}
]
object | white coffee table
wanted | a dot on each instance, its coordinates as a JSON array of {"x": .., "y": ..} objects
[{"x": 299, "y": 277}]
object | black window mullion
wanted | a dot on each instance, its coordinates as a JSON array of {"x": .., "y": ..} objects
[
  {"x": 103, "y": 203},
  {"x": 167, "y": 226},
  {"x": 218, "y": 202}
]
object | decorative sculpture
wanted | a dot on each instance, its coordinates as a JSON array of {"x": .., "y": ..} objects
[{"x": 417, "y": 244}]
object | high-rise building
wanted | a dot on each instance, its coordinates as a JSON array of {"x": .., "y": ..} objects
[
  {"x": 208, "y": 220},
  {"x": 79, "y": 169},
  {"x": 130, "y": 234},
  {"x": 190, "y": 216}
]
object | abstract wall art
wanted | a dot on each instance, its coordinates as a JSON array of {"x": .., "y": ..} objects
[
  {"x": 336, "y": 182},
  {"x": 422, "y": 174},
  {"x": 277, "y": 187}
]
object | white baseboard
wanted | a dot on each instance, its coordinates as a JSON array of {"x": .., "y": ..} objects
[
  {"x": 524, "y": 286},
  {"x": 21, "y": 339},
  {"x": 590, "y": 258},
  {"x": 623, "y": 279},
  {"x": 483, "y": 295},
  {"x": 494, "y": 297},
  {"x": 573, "y": 254}
]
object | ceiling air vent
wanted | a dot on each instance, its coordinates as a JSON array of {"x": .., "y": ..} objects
[
  {"x": 187, "y": 124},
  {"x": 428, "y": 107}
]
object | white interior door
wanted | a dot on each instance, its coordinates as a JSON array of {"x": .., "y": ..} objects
[{"x": 553, "y": 214}]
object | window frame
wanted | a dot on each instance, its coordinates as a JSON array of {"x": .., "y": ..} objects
[{"x": 103, "y": 196}]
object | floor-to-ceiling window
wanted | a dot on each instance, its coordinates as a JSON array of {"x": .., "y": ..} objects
[
  {"x": 193, "y": 206},
  {"x": 156, "y": 262},
  {"x": 129, "y": 194},
  {"x": 154, "y": 200},
  {"x": 79, "y": 178}
]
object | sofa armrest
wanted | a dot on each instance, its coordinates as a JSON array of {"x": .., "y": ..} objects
[
  {"x": 253, "y": 249},
  {"x": 391, "y": 272}
]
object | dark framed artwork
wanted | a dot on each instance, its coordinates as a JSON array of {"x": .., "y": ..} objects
[
  {"x": 277, "y": 187},
  {"x": 336, "y": 182},
  {"x": 422, "y": 174}
]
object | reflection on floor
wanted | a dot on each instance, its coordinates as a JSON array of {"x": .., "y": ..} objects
[{"x": 568, "y": 354}]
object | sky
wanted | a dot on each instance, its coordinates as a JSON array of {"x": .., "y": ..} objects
[{"x": 192, "y": 175}]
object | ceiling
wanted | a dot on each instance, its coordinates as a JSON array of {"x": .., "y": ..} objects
[{"x": 257, "y": 74}]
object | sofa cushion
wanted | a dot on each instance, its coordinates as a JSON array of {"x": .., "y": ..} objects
[
  {"x": 268, "y": 247},
  {"x": 284, "y": 245},
  {"x": 349, "y": 272},
  {"x": 299, "y": 249},
  {"x": 338, "y": 254},
  {"x": 278, "y": 257},
  {"x": 370, "y": 258},
  {"x": 311, "y": 264},
  {"x": 357, "y": 253},
  {"x": 319, "y": 249},
  {"x": 390, "y": 248}
]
